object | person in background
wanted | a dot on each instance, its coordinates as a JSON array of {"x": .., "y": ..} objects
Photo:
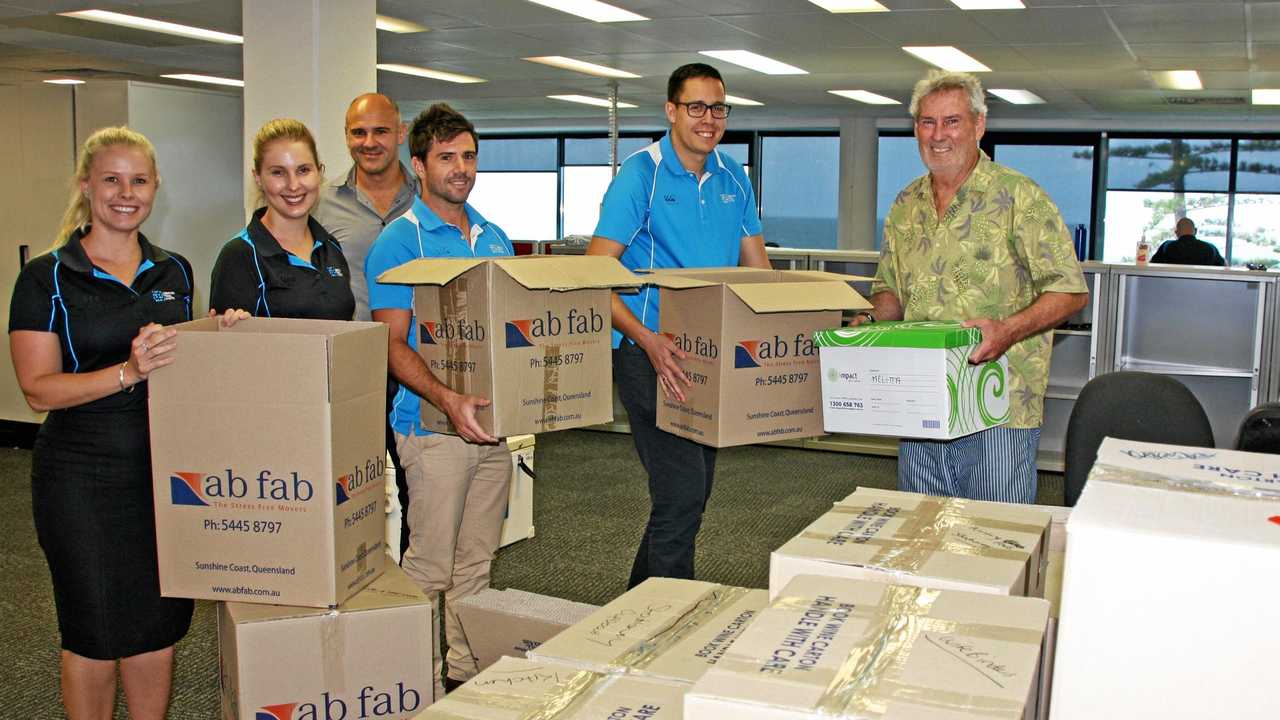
[
  {"x": 457, "y": 483},
  {"x": 87, "y": 326},
  {"x": 284, "y": 263},
  {"x": 678, "y": 203},
  {"x": 356, "y": 207},
  {"x": 978, "y": 242},
  {"x": 1188, "y": 249}
]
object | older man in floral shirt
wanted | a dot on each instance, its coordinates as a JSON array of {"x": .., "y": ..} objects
[{"x": 975, "y": 241}]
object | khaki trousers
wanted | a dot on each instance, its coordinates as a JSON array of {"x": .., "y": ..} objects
[{"x": 457, "y": 500}]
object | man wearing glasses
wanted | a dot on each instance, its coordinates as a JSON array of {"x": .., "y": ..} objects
[{"x": 677, "y": 203}]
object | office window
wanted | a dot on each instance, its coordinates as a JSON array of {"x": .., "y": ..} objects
[
  {"x": 517, "y": 154},
  {"x": 516, "y": 186},
  {"x": 585, "y": 177},
  {"x": 1065, "y": 172},
  {"x": 1172, "y": 164},
  {"x": 1258, "y": 166},
  {"x": 1255, "y": 234},
  {"x": 799, "y": 189},
  {"x": 1134, "y": 215},
  {"x": 595, "y": 151},
  {"x": 897, "y": 163}
]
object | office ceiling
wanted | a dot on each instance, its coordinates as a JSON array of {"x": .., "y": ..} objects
[{"x": 1089, "y": 59}]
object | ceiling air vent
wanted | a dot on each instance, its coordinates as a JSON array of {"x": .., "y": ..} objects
[{"x": 1203, "y": 100}]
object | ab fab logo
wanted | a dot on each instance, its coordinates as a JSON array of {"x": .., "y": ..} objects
[
  {"x": 527, "y": 333},
  {"x": 434, "y": 333},
  {"x": 198, "y": 489},
  {"x": 757, "y": 353},
  {"x": 698, "y": 345},
  {"x": 369, "y": 703},
  {"x": 360, "y": 479}
]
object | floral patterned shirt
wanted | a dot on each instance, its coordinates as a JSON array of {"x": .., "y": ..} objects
[{"x": 999, "y": 246}]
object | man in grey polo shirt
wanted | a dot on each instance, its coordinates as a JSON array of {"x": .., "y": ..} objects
[{"x": 355, "y": 208}]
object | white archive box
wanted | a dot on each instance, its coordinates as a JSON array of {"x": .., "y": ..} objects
[
  {"x": 518, "y": 523},
  {"x": 855, "y": 649},
  {"x": 1169, "y": 593}
]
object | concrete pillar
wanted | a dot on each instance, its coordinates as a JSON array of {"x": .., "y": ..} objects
[
  {"x": 859, "y": 144},
  {"x": 306, "y": 59}
]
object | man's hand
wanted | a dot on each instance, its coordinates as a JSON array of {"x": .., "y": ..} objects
[
  {"x": 664, "y": 356},
  {"x": 461, "y": 410},
  {"x": 997, "y": 337}
]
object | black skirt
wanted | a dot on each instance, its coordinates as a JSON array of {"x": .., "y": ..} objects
[{"x": 92, "y": 499}]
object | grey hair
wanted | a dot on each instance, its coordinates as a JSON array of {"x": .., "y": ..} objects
[{"x": 937, "y": 80}]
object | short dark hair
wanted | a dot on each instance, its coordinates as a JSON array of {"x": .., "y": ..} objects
[
  {"x": 675, "y": 83},
  {"x": 438, "y": 122}
]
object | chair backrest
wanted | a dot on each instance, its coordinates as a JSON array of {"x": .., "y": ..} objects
[
  {"x": 1130, "y": 406},
  {"x": 1260, "y": 430}
]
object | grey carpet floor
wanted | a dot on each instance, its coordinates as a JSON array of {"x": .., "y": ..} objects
[{"x": 590, "y": 505}]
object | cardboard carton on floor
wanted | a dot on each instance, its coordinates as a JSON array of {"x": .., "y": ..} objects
[
  {"x": 532, "y": 334},
  {"x": 369, "y": 658},
  {"x": 515, "y": 689},
  {"x": 502, "y": 623},
  {"x": 841, "y": 648},
  {"x": 914, "y": 539},
  {"x": 662, "y": 628},
  {"x": 1054, "y": 564},
  {"x": 909, "y": 379},
  {"x": 268, "y": 457},
  {"x": 1168, "y": 595},
  {"x": 751, "y": 359}
]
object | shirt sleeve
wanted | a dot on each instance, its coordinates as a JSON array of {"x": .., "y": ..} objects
[
  {"x": 751, "y": 213},
  {"x": 236, "y": 280},
  {"x": 1044, "y": 242},
  {"x": 886, "y": 279},
  {"x": 32, "y": 306},
  {"x": 626, "y": 202},
  {"x": 389, "y": 251}
]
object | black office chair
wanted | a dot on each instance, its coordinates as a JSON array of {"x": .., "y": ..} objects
[
  {"x": 1130, "y": 406},
  {"x": 1260, "y": 430}
]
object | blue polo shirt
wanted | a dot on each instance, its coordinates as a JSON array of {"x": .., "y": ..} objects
[
  {"x": 668, "y": 217},
  {"x": 420, "y": 233}
]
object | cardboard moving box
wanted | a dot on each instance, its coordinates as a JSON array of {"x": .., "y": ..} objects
[
  {"x": 532, "y": 334},
  {"x": 914, "y": 539},
  {"x": 502, "y": 623},
  {"x": 268, "y": 456},
  {"x": 751, "y": 358},
  {"x": 662, "y": 628},
  {"x": 1168, "y": 598},
  {"x": 515, "y": 689},
  {"x": 909, "y": 379},
  {"x": 840, "y": 648},
  {"x": 369, "y": 658}
]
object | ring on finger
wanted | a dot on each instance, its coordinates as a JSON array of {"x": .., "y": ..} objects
[{"x": 146, "y": 348}]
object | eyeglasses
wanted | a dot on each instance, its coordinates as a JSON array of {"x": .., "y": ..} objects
[{"x": 697, "y": 109}]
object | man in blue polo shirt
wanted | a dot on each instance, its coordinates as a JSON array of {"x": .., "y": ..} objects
[
  {"x": 677, "y": 203},
  {"x": 457, "y": 484}
]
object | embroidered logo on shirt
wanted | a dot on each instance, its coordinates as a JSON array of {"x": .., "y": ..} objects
[
  {"x": 334, "y": 271},
  {"x": 163, "y": 296},
  {"x": 727, "y": 198},
  {"x": 669, "y": 199},
  {"x": 496, "y": 248}
]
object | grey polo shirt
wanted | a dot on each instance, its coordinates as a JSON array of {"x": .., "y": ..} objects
[{"x": 350, "y": 217}]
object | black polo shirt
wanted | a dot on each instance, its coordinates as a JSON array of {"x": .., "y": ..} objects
[
  {"x": 95, "y": 316},
  {"x": 254, "y": 273}
]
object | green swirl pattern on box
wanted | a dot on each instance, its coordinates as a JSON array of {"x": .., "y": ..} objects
[{"x": 914, "y": 334}]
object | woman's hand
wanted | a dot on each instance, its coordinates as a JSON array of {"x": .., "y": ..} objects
[
  {"x": 230, "y": 316},
  {"x": 151, "y": 349}
]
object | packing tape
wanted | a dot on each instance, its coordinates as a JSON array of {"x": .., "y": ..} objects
[
  {"x": 865, "y": 683},
  {"x": 333, "y": 651},
  {"x": 453, "y": 309},
  {"x": 563, "y": 696},
  {"x": 550, "y": 387},
  {"x": 710, "y": 606},
  {"x": 1224, "y": 488}
]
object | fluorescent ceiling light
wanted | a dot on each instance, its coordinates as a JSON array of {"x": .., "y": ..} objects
[
  {"x": 850, "y": 6},
  {"x": 947, "y": 58},
  {"x": 589, "y": 100},
  {"x": 752, "y": 61},
  {"x": 863, "y": 96},
  {"x": 1017, "y": 97},
  {"x": 160, "y": 26},
  {"x": 396, "y": 25},
  {"x": 1266, "y": 96},
  {"x": 428, "y": 73},
  {"x": 1178, "y": 79},
  {"x": 989, "y": 4},
  {"x": 746, "y": 102},
  {"x": 581, "y": 66},
  {"x": 207, "y": 79},
  {"x": 65, "y": 81},
  {"x": 591, "y": 10}
]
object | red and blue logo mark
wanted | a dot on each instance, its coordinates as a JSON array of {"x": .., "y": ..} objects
[
  {"x": 430, "y": 333},
  {"x": 520, "y": 333},
  {"x": 275, "y": 712},
  {"x": 360, "y": 479},
  {"x": 757, "y": 353},
  {"x": 185, "y": 488},
  {"x": 746, "y": 354}
]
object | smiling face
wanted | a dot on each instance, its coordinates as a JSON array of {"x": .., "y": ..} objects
[
  {"x": 374, "y": 134},
  {"x": 289, "y": 178},
  {"x": 696, "y": 136},
  {"x": 948, "y": 132},
  {"x": 121, "y": 188},
  {"x": 449, "y": 171}
]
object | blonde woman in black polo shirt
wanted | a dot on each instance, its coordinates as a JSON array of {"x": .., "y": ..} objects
[
  {"x": 86, "y": 328},
  {"x": 284, "y": 264}
]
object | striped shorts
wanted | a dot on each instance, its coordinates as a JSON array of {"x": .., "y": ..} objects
[{"x": 996, "y": 464}]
